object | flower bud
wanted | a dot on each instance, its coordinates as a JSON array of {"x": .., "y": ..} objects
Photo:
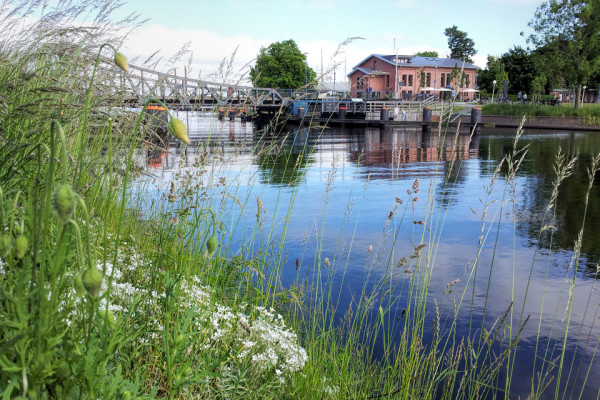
[
  {"x": 110, "y": 318},
  {"x": 63, "y": 202},
  {"x": 92, "y": 281},
  {"x": 78, "y": 284},
  {"x": 211, "y": 245},
  {"x": 5, "y": 245},
  {"x": 21, "y": 244},
  {"x": 177, "y": 128},
  {"x": 121, "y": 61}
]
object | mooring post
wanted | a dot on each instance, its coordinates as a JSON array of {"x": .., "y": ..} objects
[
  {"x": 301, "y": 112},
  {"x": 385, "y": 114},
  {"x": 342, "y": 112},
  {"x": 476, "y": 118},
  {"x": 427, "y": 117},
  {"x": 427, "y": 114}
]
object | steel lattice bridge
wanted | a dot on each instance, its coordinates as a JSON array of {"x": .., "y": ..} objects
[{"x": 181, "y": 92}]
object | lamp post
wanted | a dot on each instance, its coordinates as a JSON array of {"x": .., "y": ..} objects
[
  {"x": 305, "y": 76},
  {"x": 583, "y": 94},
  {"x": 493, "y": 90}
]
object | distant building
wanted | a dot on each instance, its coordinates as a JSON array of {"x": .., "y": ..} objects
[{"x": 375, "y": 77}]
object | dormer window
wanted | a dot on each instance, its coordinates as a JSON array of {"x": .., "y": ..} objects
[{"x": 374, "y": 64}]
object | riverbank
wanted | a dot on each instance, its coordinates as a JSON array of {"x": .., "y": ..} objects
[
  {"x": 487, "y": 121},
  {"x": 536, "y": 122}
]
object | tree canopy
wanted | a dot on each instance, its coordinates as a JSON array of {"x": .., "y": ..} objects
[
  {"x": 520, "y": 69},
  {"x": 494, "y": 72},
  {"x": 427, "y": 53},
  {"x": 461, "y": 46},
  {"x": 567, "y": 37},
  {"x": 281, "y": 65}
]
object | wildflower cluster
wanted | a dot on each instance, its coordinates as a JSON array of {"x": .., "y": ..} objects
[{"x": 257, "y": 337}]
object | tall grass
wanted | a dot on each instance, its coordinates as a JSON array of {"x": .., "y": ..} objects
[
  {"x": 186, "y": 308},
  {"x": 588, "y": 111}
]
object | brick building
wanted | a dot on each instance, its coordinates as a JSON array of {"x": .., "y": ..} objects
[{"x": 375, "y": 77}]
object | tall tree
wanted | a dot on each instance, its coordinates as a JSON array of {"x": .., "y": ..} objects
[
  {"x": 494, "y": 71},
  {"x": 427, "y": 53},
  {"x": 520, "y": 68},
  {"x": 461, "y": 46},
  {"x": 281, "y": 65},
  {"x": 568, "y": 31}
]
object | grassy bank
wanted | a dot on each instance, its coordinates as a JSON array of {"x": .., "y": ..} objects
[
  {"x": 106, "y": 295},
  {"x": 589, "y": 111}
]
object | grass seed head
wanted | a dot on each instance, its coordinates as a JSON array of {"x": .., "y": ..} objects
[
  {"x": 63, "y": 202},
  {"x": 21, "y": 244},
  {"x": 121, "y": 61},
  {"x": 92, "y": 281},
  {"x": 177, "y": 128}
]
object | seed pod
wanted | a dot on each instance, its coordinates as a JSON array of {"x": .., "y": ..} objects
[
  {"x": 110, "y": 318},
  {"x": 211, "y": 245},
  {"x": 78, "y": 284},
  {"x": 92, "y": 281},
  {"x": 21, "y": 244},
  {"x": 5, "y": 245},
  {"x": 121, "y": 61},
  {"x": 177, "y": 128},
  {"x": 63, "y": 202}
]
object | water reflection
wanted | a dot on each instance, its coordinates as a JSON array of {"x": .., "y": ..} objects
[
  {"x": 282, "y": 161},
  {"x": 349, "y": 182}
]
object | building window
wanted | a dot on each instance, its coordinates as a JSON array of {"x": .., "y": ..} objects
[
  {"x": 443, "y": 80},
  {"x": 403, "y": 80},
  {"x": 374, "y": 64},
  {"x": 428, "y": 80},
  {"x": 388, "y": 80},
  {"x": 410, "y": 82}
]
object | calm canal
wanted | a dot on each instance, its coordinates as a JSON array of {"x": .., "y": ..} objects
[{"x": 353, "y": 203}]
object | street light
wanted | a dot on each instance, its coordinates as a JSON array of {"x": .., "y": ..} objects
[
  {"x": 493, "y": 90},
  {"x": 583, "y": 94}
]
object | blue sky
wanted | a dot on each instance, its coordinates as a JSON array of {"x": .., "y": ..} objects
[{"x": 215, "y": 29}]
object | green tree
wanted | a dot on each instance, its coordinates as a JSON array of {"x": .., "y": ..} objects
[
  {"x": 428, "y": 53},
  {"x": 461, "y": 46},
  {"x": 494, "y": 71},
  {"x": 568, "y": 31},
  {"x": 520, "y": 68},
  {"x": 281, "y": 65}
]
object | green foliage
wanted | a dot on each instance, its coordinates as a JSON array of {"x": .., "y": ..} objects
[
  {"x": 427, "y": 53},
  {"x": 520, "y": 69},
  {"x": 566, "y": 37},
  {"x": 461, "y": 46},
  {"x": 282, "y": 65},
  {"x": 494, "y": 71}
]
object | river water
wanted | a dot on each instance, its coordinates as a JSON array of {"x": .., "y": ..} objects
[{"x": 358, "y": 201}]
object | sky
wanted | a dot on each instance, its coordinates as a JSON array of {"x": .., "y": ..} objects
[{"x": 234, "y": 31}]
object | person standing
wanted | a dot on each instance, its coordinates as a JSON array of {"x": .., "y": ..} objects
[
  {"x": 403, "y": 114},
  {"x": 396, "y": 112}
]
